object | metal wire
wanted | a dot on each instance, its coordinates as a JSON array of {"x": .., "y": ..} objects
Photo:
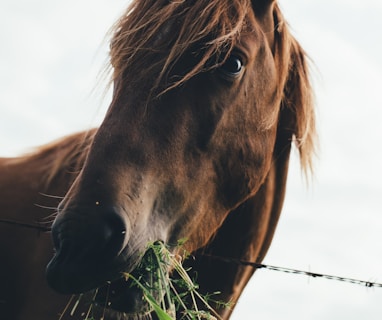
[{"x": 255, "y": 265}]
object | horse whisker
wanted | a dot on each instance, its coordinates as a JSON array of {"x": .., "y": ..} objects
[
  {"x": 51, "y": 196},
  {"x": 76, "y": 305},
  {"x": 46, "y": 223},
  {"x": 45, "y": 207},
  {"x": 51, "y": 216},
  {"x": 66, "y": 307},
  {"x": 91, "y": 304},
  {"x": 106, "y": 300}
]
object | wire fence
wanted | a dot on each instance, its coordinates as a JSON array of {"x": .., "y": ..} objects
[{"x": 368, "y": 284}]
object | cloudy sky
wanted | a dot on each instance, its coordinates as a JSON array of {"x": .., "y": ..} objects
[{"x": 50, "y": 58}]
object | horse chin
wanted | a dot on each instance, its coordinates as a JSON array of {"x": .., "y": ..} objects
[{"x": 123, "y": 296}]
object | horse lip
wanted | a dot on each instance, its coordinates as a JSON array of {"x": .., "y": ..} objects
[
  {"x": 66, "y": 277},
  {"x": 122, "y": 296},
  {"x": 118, "y": 295},
  {"x": 69, "y": 282}
]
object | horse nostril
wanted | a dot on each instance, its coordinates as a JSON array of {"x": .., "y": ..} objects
[
  {"x": 86, "y": 241},
  {"x": 101, "y": 236},
  {"x": 114, "y": 233}
]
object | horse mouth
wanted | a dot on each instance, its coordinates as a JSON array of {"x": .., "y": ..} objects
[
  {"x": 122, "y": 296},
  {"x": 129, "y": 294}
]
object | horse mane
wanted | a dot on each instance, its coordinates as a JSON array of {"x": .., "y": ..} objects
[
  {"x": 297, "y": 94},
  {"x": 215, "y": 24},
  {"x": 66, "y": 154},
  {"x": 298, "y": 98}
]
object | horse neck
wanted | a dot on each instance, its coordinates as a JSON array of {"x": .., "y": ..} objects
[
  {"x": 32, "y": 186},
  {"x": 246, "y": 234}
]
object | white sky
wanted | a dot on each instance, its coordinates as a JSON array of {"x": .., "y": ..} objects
[{"x": 51, "y": 53}]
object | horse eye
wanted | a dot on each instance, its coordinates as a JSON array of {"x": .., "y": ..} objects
[{"x": 232, "y": 66}]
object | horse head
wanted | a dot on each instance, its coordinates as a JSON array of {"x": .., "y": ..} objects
[{"x": 203, "y": 91}]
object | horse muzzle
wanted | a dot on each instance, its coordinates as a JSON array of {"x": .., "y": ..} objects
[{"x": 89, "y": 251}]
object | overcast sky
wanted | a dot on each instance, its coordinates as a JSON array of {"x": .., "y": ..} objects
[{"x": 50, "y": 57}]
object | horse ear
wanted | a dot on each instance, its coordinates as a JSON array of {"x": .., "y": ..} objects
[
  {"x": 263, "y": 10},
  {"x": 262, "y": 6}
]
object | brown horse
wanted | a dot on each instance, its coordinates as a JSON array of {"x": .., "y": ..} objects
[{"x": 208, "y": 97}]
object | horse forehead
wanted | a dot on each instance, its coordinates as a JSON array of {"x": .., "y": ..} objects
[
  {"x": 164, "y": 32},
  {"x": 258, "y": 25},
  {"x": 253, "y": 26}
]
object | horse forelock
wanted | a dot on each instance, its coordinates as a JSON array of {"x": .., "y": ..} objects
[{"x": 174, "y": 27}]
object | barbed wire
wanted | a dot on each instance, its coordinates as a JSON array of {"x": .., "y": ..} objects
[
  {"x": 255, "y": 265},
  {"x": 368, "y": 284}
]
